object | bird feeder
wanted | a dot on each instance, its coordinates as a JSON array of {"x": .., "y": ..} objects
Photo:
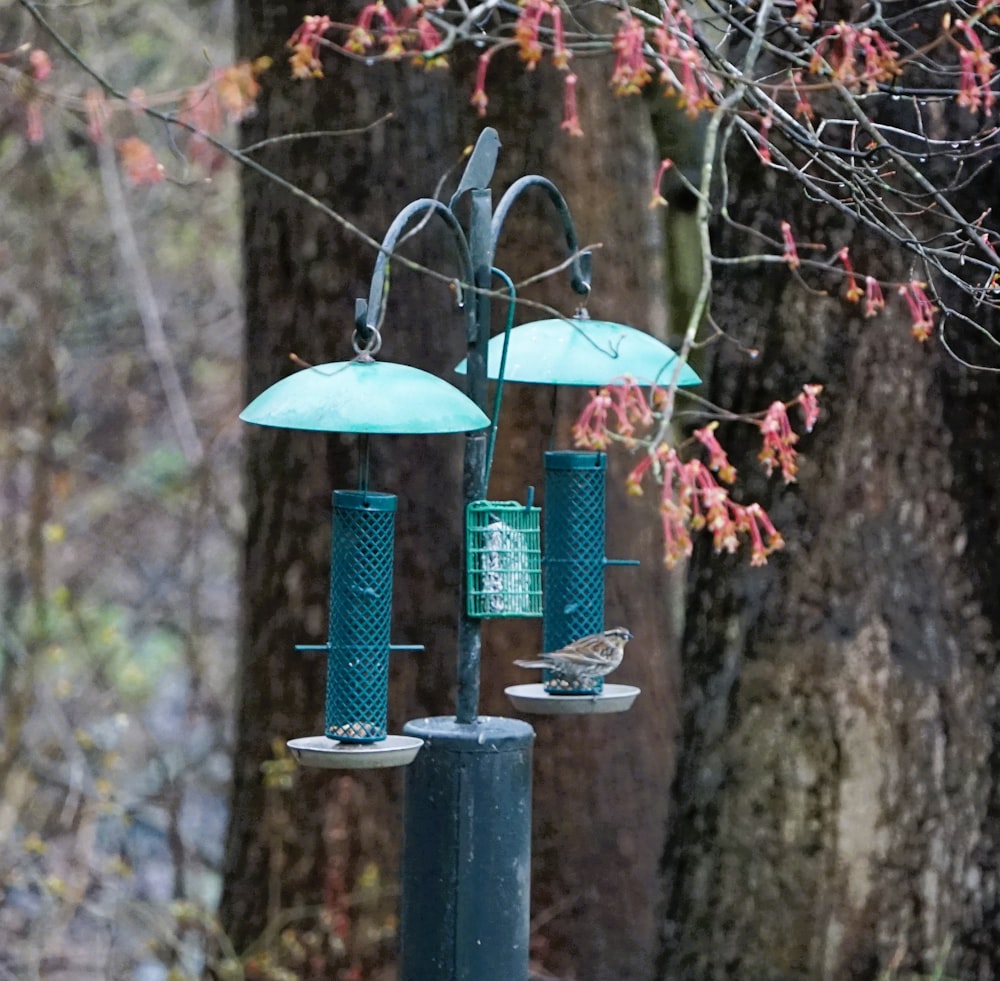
[
  {"x": 573, "y": 599},
  {"x": 577, "y": 351},
  {"x": 466, "y": 851},
  {"x": 503, "y": 559},
  {"x": 574, "y": 557},
  {"x": 366, "y": 397}
]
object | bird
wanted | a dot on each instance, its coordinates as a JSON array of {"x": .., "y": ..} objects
[{"x": 586, "y": 659}]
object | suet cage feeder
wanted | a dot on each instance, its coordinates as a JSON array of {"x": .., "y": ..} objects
[{"x": 503, "y": 559}]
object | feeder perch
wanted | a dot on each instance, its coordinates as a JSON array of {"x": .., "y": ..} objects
[{"x": 504, "y": 559}]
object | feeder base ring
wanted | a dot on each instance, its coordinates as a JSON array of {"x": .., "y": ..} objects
[{"x": 330, "y": 754}]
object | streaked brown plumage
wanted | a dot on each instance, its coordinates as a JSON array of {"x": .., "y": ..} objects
[{"x": 583, "y": 660}]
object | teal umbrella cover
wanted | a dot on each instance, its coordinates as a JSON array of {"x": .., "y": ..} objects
[
  {"x": 365, "y": 397},
  {"x": 578, "y": 351}
]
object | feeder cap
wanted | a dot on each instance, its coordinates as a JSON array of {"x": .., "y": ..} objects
[
  {"x": 365, "y": 397},
  {"x": 580, "y": 351}
]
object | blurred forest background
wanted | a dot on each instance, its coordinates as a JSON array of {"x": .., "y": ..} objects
[{"x": 120, "y": 512}]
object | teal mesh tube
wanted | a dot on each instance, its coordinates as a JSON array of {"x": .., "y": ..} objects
[
  {"x": 357, "y": 678},
  {"x": 573, "y": 555}
]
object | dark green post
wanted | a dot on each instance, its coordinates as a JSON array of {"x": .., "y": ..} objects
[
  {"x": 466, "y": 868},
  {"x": 467, "y": 851}
]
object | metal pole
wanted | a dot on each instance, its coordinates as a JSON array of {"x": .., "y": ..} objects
[{"x": 466, "y": 859}]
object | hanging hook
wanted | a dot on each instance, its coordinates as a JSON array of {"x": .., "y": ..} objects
[{"x": 367, "y": 350}]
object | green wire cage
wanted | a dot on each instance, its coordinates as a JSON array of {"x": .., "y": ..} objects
[{"x": 504, "y": 559}]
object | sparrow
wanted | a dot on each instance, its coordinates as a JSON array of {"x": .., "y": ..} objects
[{"x": 585, "y": 659}]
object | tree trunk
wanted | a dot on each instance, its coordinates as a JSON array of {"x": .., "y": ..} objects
[
  {"x": 835, "y": 806},
  {"x": 331, "y": 844}
]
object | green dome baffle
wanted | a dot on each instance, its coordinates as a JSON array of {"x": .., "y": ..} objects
[
  {"x": 364, "y": 396},
  {"x": 360, "y": 609},
  {"x": 574, "y": 556},
  {"x": 580, "y": 351}
]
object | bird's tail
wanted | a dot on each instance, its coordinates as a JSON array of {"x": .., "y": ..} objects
[{"x": 533, "y": 664}]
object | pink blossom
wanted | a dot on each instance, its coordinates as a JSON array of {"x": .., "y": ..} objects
[
  {"x": 791, "y": 251},
  {"x": 139, "y": 162},
  {"x": 874, "y": 301},
  {"x": 779, "y": 442},
  {"x": 41, "y": 64},
  {"x": 571, "y": 120},
  {"x": 809, "y": 404},
  {"x": 854, "y": 291},
  {"x": 658, "y": 198},
  {"x": 305, "y": 43},
  {"x": 921, "y": 309},
  {"x": 631, "y": 72},
  {"x": 717, "y": 459}
]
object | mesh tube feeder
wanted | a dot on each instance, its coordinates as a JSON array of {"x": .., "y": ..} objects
[
  {"x": 574, "y": 557},
  {"x": 573, "y": 564},
  {"x": 357, "y": 677}
]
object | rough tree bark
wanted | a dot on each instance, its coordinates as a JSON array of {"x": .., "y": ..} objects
[
  {"x": 601, "y": 784},
  {"x": 835, "y": 806}
]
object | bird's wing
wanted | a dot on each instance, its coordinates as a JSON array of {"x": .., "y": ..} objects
[{"x": 585, "y": 658}]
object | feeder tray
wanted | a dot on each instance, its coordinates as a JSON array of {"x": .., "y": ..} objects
[
  {"x": 503, "y": 545},
  {"x": 535, "y": 700},
  {"x": 329, "y": 754}
]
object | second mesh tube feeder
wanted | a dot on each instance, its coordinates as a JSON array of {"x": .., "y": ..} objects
[{"x": 574, "y": 556}]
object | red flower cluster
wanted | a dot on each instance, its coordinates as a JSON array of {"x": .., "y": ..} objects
[
  {"x": 682, "y": 69},
  {"x": 528, "y": 26},
  {"x": 856, "y": 56},
  {"x": 305, "y": 43},
  {"x": 631, "y": 72},
  {"x": 975, "y": 81},
  {"x": 922, "y": 310},
  {"x": 527, "y": 36},
  {"x": 616, "y": 408},
  {"x": 692, "y": 499},
  {"x": 692, "y": 493}
]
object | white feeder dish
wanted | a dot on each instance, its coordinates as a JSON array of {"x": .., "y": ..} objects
[
  {"x": 535, "y": 700},
  {"x": 330, "y": 754}
]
